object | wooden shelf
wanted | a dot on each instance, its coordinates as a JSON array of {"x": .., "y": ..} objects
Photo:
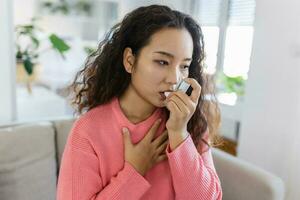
[{"x": 229, "y": 146}]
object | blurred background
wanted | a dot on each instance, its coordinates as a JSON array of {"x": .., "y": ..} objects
[{"x": 252, "y": 51}]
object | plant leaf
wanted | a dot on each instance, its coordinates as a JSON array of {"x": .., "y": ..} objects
[
  {"x": 35, "y": 41},
  {"x": 28, "y": 65},
  {"x": 231, "y": 84},
  {"x": 59, "y": 44}
]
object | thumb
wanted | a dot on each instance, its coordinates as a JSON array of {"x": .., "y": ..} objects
[{"x": 126, "y": 136}]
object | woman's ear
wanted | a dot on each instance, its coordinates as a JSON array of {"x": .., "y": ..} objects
[{"x": 128, "y": 60}]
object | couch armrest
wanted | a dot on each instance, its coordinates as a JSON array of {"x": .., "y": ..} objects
[
  {"x": 27, "y": 162},
  {"x": 62, "y": 128},
  {"x": 243, "y": 181}
]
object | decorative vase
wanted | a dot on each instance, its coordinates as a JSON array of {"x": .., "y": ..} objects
[{"x": 22, "y": 77}]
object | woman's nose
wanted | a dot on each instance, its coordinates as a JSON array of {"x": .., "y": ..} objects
[{"x": 174, "y": 76}]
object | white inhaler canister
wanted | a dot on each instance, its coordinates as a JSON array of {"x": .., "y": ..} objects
[{"x": 183, "y": 86}]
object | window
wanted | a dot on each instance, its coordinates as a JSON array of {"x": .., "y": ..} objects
[
  {"x": 239, "y": 33},
  {"x": 211, "y": 40},
  {"x": 228, "y": 30},
  {"x": 208, "y": 13},
  {"x": 237, "y": 50}
]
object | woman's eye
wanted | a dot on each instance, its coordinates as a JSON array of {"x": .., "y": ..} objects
[
  {"x": 162, "y": 62},
  {"x": 185, "y": 66}
]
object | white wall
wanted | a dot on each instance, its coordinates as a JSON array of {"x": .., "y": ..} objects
[
  {"x": 128, "y": 5},
  {"x": 23, "y": 11},
  {"x": 270, "y": 130},
  {"x": 7, "y": 69}
]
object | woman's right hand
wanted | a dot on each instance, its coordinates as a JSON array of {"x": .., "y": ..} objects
[{"x": 149, "y": 151}]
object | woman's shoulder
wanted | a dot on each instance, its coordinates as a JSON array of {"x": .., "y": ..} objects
[
  {"x": 93, "y": 118},
  {"x": 102, "y": 111}
]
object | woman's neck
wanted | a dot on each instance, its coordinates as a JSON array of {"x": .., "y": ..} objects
[{"x": 135, "y": 108}]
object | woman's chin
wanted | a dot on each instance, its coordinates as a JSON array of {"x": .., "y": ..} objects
[
  {"x": 157, "y": 101},
  {"x": 161, "y": 103}
]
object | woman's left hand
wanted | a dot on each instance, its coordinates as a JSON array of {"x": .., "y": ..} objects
[{"x": 182, "y": 108}]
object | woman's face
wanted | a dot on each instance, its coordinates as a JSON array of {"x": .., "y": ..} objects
[{"x": 162, "y": 64}]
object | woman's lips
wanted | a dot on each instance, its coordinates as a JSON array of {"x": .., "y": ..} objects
[{"x": 163, "y": 96}]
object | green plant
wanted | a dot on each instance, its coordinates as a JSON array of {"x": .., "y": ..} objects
[
  {"x": 65, "y": 7},
  {"x": 89, "y": 49},
  {"x": 28, "y": 44},
  {"x": 83, "y": 7},
  {"x": 231, "y": 84},
  {"x": 58, "y": 7}
]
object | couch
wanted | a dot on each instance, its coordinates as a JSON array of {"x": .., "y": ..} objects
[{"x": 30, "y": 156}]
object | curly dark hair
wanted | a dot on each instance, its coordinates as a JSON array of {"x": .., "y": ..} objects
[{"x": 104, "y": 77}]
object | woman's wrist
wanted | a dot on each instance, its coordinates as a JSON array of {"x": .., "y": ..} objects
[
  {"x": 140, "y": 171},
  {"x": 176, "y": 138}
]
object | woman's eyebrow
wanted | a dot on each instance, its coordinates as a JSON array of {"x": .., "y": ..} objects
[{"x": 171, "y": 55}]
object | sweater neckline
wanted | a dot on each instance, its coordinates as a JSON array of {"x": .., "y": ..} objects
[{"x": 122, "y": 117}]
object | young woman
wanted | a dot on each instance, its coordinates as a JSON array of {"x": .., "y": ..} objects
[{"x": 133, "y": 142}]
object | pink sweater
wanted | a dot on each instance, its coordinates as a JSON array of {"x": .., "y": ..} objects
[{"x": 93, "y": 165}]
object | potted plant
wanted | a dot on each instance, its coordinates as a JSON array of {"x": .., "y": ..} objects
[
  {"x": 230, "y": 84},
  {"x": 28, "y": 42},
  {"x": 79, "y": 7}
]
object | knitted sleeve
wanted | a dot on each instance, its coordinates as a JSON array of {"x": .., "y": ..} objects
[{"x": 193, "y": 172}]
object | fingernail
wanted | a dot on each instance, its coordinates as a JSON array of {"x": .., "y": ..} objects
[{"x": 124, "y": 129}]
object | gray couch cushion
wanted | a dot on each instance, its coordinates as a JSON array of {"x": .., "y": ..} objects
[
  {"x": 27, "y": 162},
  {"x": 62, "y": 128},
  {"x": 243, "y": 181}
]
